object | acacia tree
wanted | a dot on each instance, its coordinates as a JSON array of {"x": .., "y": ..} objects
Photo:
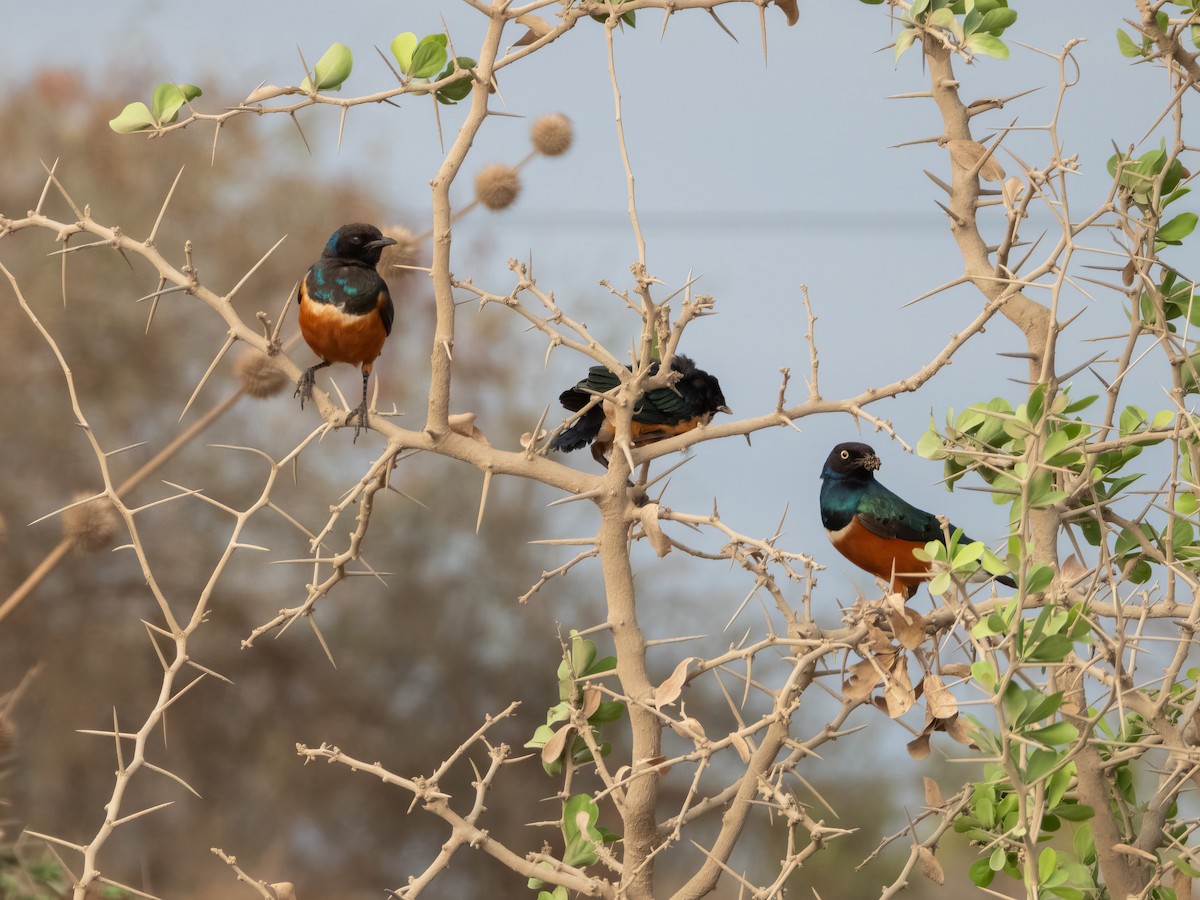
[{"x": 1068, "y": 725}]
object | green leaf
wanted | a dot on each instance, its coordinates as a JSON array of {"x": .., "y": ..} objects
[
  {"x": 1084, "y": 844},
  {"x": 997, "y": 860},
  {"x": 607, "y": 711},
  {"x": 983, "y": 44},
  {"x": 1045, "y": 708},
  {"x": 1038, "y": 764},
  {"x": 403, "y": 46},
  {"x": 1052, "y": 648},
  {"x": 931, "y": 445},
  {"x": 1052, "y": 735},
  {"x": 985, "y": 673},
  {"x": 981, "y": 873},
  {"x": 165, "y": 103},
  {"x": 452, "y": 93},
  {"x": 1015, "y": 702},
  {"x": 1126, "y": 45},
  {"x": 1039, "y": 579},
  {"x": 134, "y": 117},
  {"x": 997, "y": 20},
  {"x": 1177, "y": 229},
  {"x": 1074, "y": 812},
  {"x": 429, "y": 57},
  {"x": 943, "y": 18},
  {"x": 331, "y": 70},
  {"x": 904, "y": 40},
  {"x": 190, "y": 91},
  {"x": 1047, "y": 863}
]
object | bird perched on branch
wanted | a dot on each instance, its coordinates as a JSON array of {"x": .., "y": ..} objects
[
  {"x": 871, "y": 526},
  {"x": 345, "y": 309},
  {"x": 661, "y": 413}
]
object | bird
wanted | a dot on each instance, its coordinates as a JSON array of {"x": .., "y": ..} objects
[
  {"x": 660, "y": 413},
  {"x": 346, "y": 312},
  {"x": 871, "y": 526}
]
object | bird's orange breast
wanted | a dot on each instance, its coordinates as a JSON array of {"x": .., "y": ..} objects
[
  {"x": 337, "y": 336},
  {"x": 890, "y": 559},
  {"x": 644, "y": 433}
]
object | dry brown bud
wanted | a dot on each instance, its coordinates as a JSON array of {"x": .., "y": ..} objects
[
  {"x": 405, "y": 252},
  {"x": 261, "y": 375},
  {"x": 91, "y": 526},
  {"x": 497, "y": 186},
  {"x": 552, "y": 134},
  {"x": 3, "y": 530}
]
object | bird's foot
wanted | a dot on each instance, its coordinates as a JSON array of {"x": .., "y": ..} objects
[
  {"x": 359, "y": 415},
  {"x": 304, "y": 387}
]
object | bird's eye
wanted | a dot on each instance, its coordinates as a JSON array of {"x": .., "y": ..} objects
[{"x": 845, "y": 454}]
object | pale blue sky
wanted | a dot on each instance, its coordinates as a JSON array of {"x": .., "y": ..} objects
[{"x": 757, "y": 179}]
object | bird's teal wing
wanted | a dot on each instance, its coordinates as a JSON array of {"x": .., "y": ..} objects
[{"x": 884, "y": 514}]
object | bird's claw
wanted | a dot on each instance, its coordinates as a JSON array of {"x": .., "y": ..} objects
[
  {"x": 304, "y": 386},
  {"x": 360, "y": 414}
]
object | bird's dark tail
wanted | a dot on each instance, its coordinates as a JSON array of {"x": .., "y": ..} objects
[
  {"x": 581, "y": 433},
  {"x": 1007, "y": 581}
]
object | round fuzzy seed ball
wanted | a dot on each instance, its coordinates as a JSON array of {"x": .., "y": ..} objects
[
  {"x": 497, "y": 186},
  {"x": 91, "y": 526},
  {"x": 552, "y": 134},
  {"x": 261, "y": 376}
]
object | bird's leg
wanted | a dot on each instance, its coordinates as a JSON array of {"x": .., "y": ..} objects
[
  {"x": 599, "y": 452},
  {"x": 361, "y": 411},
  {"x": 304, "y": 387}
]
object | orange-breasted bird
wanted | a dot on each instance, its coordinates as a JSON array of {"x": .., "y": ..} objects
[
  {"x": 346, "y": 311},
  {"x": 661, "y": 413},
  {"x": 872, "y": 527}
]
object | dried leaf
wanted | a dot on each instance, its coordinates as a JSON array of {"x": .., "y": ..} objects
[
  {"x": 941, "y": 703},
  {"x": 918, "y": 747},
  {"x": 1011, "y": 192},
  {"x": 266, "y": 92},
  {"x": 528, "y": 439},
  {"x": 930, "y": 867},
  {"x": 668, "y": 692},
  {"x": 654, "y": 534},
  {"x": 957, "y": 670},
  {"x": 863, "y": 678},
  {"x": 689, "y": 728},
  {"x": 933, "y": 794},
  {"x": 653, "y": 761},
  {"x": 899, "y": 693},
  {"x": 1072, "y": 569},
  {"x": 284, "y": 890},
  {"x": 591, "y": 701},
  {"x": 538, "y": 28},
  {"x": 1183, "y": 885},
  {"x": 741, "y": 745},
  {"x": 909, "y": 627},
  {"x": 958, "y": 729},
  {"x": 967, "y": 154},
  {"x": 880, "y": 704},
  {"x": 895, "y": 601},
  {"x": 464, "y": 424},
  {"x": 554, "y": 747},
  {"x": 790, "y": 9}
]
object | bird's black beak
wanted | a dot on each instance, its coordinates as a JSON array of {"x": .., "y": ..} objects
[
  {"x": 725, "y": 409},
  {"x": 381, "y": 243}
]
